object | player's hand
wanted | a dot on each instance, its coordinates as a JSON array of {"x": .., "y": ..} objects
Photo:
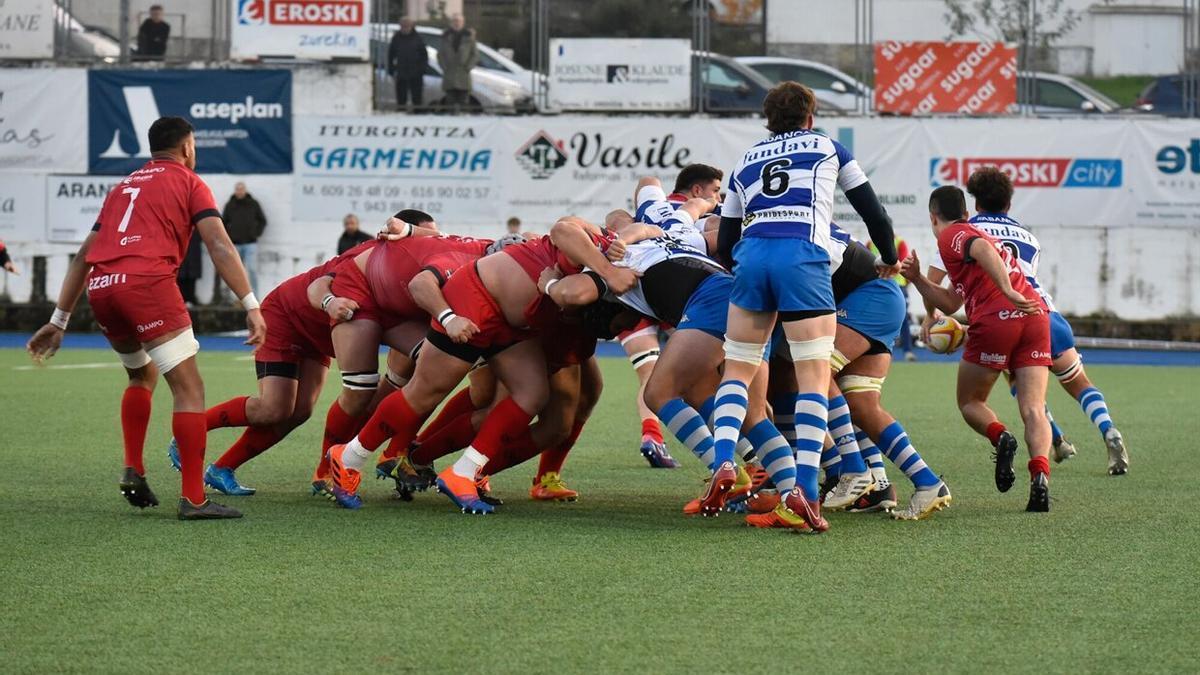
[
  {"x": 1023, "y": 303},
  {"x": 394, "y": 230},
  {"x": 11, "y": 268},
  {"x": 886, "y": 271},
  {"x": 258, "y": 328},
  {"x": 549, "y": 274},
  {"x": 927, "y": 325},
  {"x": 621, "y": 279},
  {"x": 45, "y": 343},
  {"x": 616, "y": 250},
  {"x": 910, "y": 268},
  {"x": 341, "y": 309},
  {"x": 461, "y": 329}
]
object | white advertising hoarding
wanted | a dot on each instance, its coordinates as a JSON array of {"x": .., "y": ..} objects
[
  {"x": 26, "y": 29},
  {"x": 22, "y": 207},
  {"x": 73, "y": 204},
  {"x": 43, "y": 120},
  {"x": 620, "y": 74},
  {"x": 304, "y": 29}
]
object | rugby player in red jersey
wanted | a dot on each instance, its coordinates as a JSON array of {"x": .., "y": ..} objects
[
  {"x": 485, "y": 311},
  {"x": 1010, "y": 331},
  {"x": 128, "y": 265}
]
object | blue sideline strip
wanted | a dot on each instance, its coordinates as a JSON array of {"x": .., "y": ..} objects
[{"x": 1125, "y": 357}]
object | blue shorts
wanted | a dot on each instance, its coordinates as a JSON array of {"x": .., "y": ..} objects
[
  {"x": 1062, "y": 337},
  {"x": 875, "y": 310},
  {"x": 708, "y": 308},
  {"x": 781, "y": 275}
]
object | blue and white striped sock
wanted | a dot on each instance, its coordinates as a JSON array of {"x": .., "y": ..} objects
[
  {"x": 872, "y": 457},
  {"x": 689, "y": 427},
  {"x": 784, "y": 407},
  {"x": 729, "y": 414},
  {"x": 842, "y": 432},
  {"x": 1056, "y": 433},
  {"x": 775, "y": 455},
  {"x": 895, "y": 444},
  {"x": 812, "y": 415},
  {"x": 831, "y": 461},
  {"x": 1092, "y": 402},
  {"x": 706, "y": 411}
]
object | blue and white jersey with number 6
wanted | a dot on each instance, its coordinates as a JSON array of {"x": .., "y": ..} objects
[{"x": 784, "y": 186}]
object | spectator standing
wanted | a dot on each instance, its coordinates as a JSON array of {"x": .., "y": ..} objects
[
  {"x": 351, "y": 235},
  {"x": 513, "y": 226},
  {"x": 190, "y": 270},
  {"x": 407, "y": 60},
  {"x": 245, "y": 222},
  {"x": 905, "y": 339},
  {"x": 457, "y": 55},
  {"x": 152, "y": 36}
]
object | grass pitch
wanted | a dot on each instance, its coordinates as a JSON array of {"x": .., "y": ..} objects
[{"x": 619, "y": 581}]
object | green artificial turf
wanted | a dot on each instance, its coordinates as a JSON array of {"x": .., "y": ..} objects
[{"x": 617, "y": 582}]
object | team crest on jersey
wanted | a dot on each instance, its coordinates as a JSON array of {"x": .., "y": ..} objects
[{"x": 541, "y": 156}]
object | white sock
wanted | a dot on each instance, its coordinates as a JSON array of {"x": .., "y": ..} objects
[
  {"x": 355, "y": 456},
  {"x": 469, "y": 464}
]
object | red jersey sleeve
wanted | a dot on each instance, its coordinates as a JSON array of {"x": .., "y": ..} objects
[
  {"x": 953, "y": 243},
  {"x": 201, "y": 203}
]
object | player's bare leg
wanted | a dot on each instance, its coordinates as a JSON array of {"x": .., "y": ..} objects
[
  {"x": 643, "y": 351},
  {"x": 1031, "y": 400},
  {"x": 135, "y": 419},
  {"x": 356, "y": 344},
  {"x": 974, "y": 385},
  {"x": 691, "y": 358}
]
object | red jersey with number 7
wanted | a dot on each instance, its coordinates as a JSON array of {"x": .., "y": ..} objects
[{"x": 147, "y": 220}]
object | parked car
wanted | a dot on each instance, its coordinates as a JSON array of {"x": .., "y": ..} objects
[
  {"x": 1165, "y": 96},
  {"x": 734, "y": 88},
  {"x": 1060, "y": 95},
  {"x": 828, "y": 83},
  {"x": 489, "y": 90}
]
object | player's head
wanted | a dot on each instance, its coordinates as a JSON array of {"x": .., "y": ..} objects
[
  {"x": 699, "y": 181},
  {"x": 947, "y": 205},
  {"x": 418, "y": 218},
  {"x": 789, "y": 106},
  {"x": 991, "y": 188},
  {"x": 173, "y": 136}
]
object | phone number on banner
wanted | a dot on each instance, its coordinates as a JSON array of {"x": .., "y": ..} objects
[{"x": 332, "y": 198}]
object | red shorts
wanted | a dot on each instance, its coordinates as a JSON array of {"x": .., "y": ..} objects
[
  {"x": 293, "y": 333},
  {"x": 1009, "y": 339},
  {"x": 130, "y": 307},
  {"x": 567, "y": 345},
  {"x": 646, "y": 326},
  {"x": 352, "y": 284},
  {"x": 467, "y": 296}
]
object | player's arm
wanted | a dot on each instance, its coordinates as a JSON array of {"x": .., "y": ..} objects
[
  {"x": 936, "y": 276},
  {"x": 229, "y": 266},
  {"x": 570, "y": 236},
  {"x": 730, "y": 229},
  {"x": 936, "y": 297},
  {"x": 47, "y": 340},
  {"x": 320, "y": 296},
  {"x": 653, "y": 194},
  {"x": 396, "y": 229},
  {"x": 575, "y": 290},
  {"x": 988, "y": 258},
  {"x": 426, "y": 291}
]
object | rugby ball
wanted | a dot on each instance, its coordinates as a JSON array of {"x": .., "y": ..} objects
[{"x": 946, "y": 336}]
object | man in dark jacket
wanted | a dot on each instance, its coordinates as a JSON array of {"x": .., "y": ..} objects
[
  {"x": 351, "y": 235},
  {"x": 245, "y": 222},
  {"x": 457, "y": 55},
  {"x": 152, "y": 36},
  {"x": 407, "y": 61}
]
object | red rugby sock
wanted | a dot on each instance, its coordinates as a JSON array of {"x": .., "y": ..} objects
[
  {"x": 455, "y": 407},
  {"x": 1039, "y": 465},
  {"x": 253, "y": 442},
  {"x": 340, "y": 427},
  {"x": 554, "y": 458},
  {"x": 651, "y": 430},
  {"x": 516, "y": 451},
  {"x": 504, "y": 422},
  {"x": 135, "y": 418},
  {"x": 453, "y": 436},
  {"x": 189, "y": 431},
  {"x": 393, "y": 417},
  {"x": 993, "y": 432},
  {"x": 231, "y": 413}
]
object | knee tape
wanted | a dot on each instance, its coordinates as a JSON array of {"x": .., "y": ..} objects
[
  {"x": 135, "y": 360},
  {"x": 857, "y": 384},
  {"x": 837, "y": 361},
  {"x": 644, "y": 358},
  {"x": 819, "y": 349},
  {"x": 360, "y": 381},
  {"x": 395, "y": 380},
  {"x": 174, "y": 351},
  {"x": 1070, "y": 372},
  {"x": 745, "y": 352}
]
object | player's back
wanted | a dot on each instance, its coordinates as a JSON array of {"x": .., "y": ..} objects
[
  {"x": 393, "y": 264},
  {"x": 969, "y": 279},
  {"x": 1021, "y": 244},
  {"x": 147, "y": 220}
]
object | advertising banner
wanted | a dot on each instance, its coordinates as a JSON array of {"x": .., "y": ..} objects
[
  {"x": 243, "y": 118},
  {"x": 375, "y": 166},
  {"x": 22, "y": 208},
  {"x": 73, "y": 204},
  {"x": 918, "y": 78},
  {"x": 43, "y": 114},
  {"x": 26, "y": 29},
  {"x": 302, "y": 29},
  {"x": 620, "y": 74}
]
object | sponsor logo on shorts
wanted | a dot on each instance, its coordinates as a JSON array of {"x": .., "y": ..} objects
[
  {"x": 143, "y": 327},
  {"x": 1040, "y": 355},
  {"x": 842, "y": 314},
  {"x": 105, "y": 280},
  {"x": 1006, "y": 314},
  {"x": 989, "y": 357}
]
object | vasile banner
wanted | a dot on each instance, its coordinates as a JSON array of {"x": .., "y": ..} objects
[{"x": 967, "y": 78}]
